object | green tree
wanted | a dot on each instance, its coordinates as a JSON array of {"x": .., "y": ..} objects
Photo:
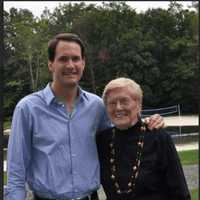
[{"x": 157, "y": 48}]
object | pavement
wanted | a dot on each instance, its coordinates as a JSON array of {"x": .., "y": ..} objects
[
  {"x": 188, "y": 146},
  {"x": 192, "y": 120}
]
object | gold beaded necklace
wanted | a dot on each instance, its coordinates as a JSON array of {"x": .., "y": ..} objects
[{"x": 135, "y": 166}]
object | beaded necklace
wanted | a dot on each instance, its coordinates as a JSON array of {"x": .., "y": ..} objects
[{"x": 135, "y": 166}]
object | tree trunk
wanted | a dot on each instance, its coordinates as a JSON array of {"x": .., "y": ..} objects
[{"x": 31, "y": 72}]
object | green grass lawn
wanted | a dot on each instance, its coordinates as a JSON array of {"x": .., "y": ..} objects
[
  {"x": 194, "y": 194},
  {"x": 4, "y": 178},
  {"x": 188, "y": 157},
  {"x": 7, "y": 124}
]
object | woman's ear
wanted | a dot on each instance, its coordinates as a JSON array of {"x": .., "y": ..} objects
[{"x": 139, "y": 108}]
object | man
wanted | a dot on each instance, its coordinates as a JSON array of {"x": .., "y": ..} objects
[{"x": 52, "y": 142}]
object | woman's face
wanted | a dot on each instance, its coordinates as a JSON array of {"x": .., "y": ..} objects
[{"x": 123, "y": 107}]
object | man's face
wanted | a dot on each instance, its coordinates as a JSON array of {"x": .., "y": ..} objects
[
  {"x": 122, "y": 107},
  {"x": 68, "y": 65}
]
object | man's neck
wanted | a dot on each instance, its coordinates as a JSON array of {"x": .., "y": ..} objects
[{"x": 67, "y": 94}]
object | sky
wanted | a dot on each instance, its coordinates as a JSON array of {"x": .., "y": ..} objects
[{"x": 37, "y": 7}]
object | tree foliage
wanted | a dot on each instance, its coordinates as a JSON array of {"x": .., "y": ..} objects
[{"x": 158, "y": 48}]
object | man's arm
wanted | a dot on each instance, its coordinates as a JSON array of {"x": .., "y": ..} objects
[
  {"x": 19, "y": 146},
  {"x": 104, "y": 121}
]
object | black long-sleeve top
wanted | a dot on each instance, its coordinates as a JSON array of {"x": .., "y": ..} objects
[{"x": 160, "y": 176}]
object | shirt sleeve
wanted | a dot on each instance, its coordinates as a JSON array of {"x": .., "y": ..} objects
[
  {"x": 19, "y": 151},
  {"x": 177, "y": 188},
  {"x": 104, "y": 121}
]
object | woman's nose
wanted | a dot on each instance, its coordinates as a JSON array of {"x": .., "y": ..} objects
[{"x": 118, "y": 105}]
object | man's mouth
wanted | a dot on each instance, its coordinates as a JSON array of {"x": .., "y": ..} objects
[{"x": 69, "y": 73}]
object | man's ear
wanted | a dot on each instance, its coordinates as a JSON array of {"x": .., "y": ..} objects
[
  {"x": 50, "y": 66},
  {"x": 83, "y": 63}
]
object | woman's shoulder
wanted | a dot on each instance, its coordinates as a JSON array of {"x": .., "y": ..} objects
[
  {"x": 159, "y": 141},
  {"x": 158, "y": 134},
  {"x": 104, "y": 134}
]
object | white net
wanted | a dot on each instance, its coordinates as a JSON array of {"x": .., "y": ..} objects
[
  {"x": 166, "y": 111},
  {"x": 161, "y": 111}
]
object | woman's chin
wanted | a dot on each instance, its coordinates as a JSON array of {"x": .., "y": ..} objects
[{"x": 122, "y": 126}]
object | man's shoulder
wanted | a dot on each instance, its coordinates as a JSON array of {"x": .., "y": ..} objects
[
  {"x": 91, "y": 96},
  {"x": 33, "y": 98}
]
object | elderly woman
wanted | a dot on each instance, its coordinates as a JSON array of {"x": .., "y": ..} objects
[{"x": 136, "y": 163}]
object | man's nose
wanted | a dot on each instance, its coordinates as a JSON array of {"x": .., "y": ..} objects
[{"x": 69, "y": 63}]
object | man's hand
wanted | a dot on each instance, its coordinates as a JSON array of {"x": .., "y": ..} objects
[{"x": 154, "y": 121}]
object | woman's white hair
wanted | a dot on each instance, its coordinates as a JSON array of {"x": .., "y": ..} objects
[{"x": 121, "y": 83}]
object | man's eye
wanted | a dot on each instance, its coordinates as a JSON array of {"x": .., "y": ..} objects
[
  {"x": 76, "y": 58},
  {"x": 63, "y": 59}
]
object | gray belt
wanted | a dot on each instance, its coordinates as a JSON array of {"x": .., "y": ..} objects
[{"x": 93, "y": 196}]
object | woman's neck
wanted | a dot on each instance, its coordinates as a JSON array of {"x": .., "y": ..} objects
[{"x": 127, "y": 127}]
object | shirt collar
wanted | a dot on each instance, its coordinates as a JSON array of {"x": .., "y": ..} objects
[
  {"x": 49, "y": 95},
  {"x": 83, "y": 95}
]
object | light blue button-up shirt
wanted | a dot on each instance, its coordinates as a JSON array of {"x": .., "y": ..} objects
[{"x": 52, "y": 150}]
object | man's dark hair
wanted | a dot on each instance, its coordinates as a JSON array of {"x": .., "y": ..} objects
[{"x": 69, "y": 37}]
